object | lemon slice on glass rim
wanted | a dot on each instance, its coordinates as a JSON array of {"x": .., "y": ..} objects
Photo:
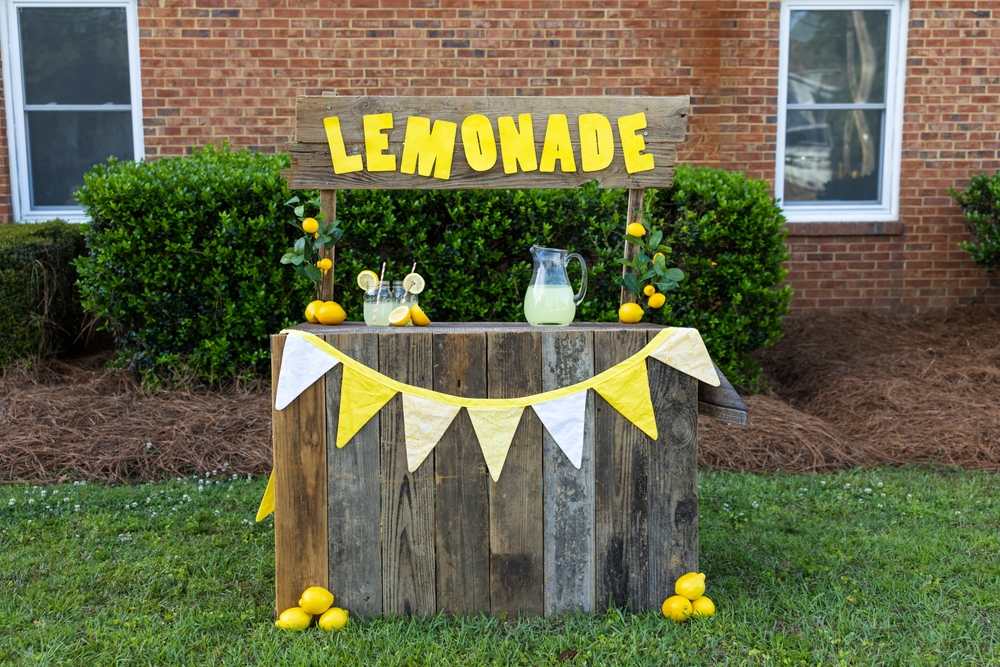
[
  {"x": 367, "y": 280},
  {"x": 414, "y": 283}
]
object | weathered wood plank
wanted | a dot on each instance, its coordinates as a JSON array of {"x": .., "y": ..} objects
[
  {"x": 621, "y": 506},
  {"x": 300, "y": 502},
  {"x": 516, "y": 530},
  {"x": 353, "y": 490},
  {"x": 328, "y": 202},
  {"x": 313, "y": 168},
  {"x": 634, "y": 214},
  {"x": 568, "y": 358},
  {"x": 408, "y": 577},
  {"x": 673, "y": 479},
  {"x": 666, "y": 117},
  {"x": 462, "y": 482}
]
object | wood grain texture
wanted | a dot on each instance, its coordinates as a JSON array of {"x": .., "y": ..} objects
[
  {"x": 666, "y": 117},
  {"x": 621, "y": 506},
  {"x": 568, "y": 493},
  {"x": 516, "y": 527},
  {"x": 634, "y": 214},
  {"x": 462, "y": 516},
  {"x": 408, "y": 573},
  {"x": 353, "y": 490},
  {"x": 673, "y": 479},
  {"x": 311, "y": 167},
  {"x": 328, "y": 203},
  {"x": 300, "y": 501}
]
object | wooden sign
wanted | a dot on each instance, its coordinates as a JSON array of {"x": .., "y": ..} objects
[{"x": 443, "y": 143}]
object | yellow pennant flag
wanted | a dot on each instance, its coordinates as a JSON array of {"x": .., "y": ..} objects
[
  {"x": 495, "y": 429},
  {"x": 424, "y": 421},
  {"x": 628, "y": 393},
  {"x": 267, "y": 502},
  {"x": 360, "y": 398},
  {"x": 684, "y": 350}
]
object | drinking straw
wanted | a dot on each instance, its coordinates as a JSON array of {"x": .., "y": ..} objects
[{"x": 378, "y": 290}]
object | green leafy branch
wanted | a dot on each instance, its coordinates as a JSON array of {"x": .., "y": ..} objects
[
  {"x": 305, "y": 255},
  {"x": 649, "y": 267}
]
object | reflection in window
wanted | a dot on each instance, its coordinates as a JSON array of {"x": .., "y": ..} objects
[{"x": 836, "y": 105}]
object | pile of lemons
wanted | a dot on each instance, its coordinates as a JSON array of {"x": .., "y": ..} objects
[
  {"x": 325, "y": 312},
  {"x": 690, "y": 599},
  {"x": 315, "y": 601}
]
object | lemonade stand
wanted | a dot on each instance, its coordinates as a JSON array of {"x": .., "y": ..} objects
[{"x": 494, "y": 467}]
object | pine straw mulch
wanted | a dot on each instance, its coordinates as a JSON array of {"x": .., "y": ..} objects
[{"x": 850, "y": 390}]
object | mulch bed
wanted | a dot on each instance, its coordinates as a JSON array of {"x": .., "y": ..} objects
[{"x": 850, "y": 390}]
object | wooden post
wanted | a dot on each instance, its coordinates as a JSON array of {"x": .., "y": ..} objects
[
  {"x": 635, "y": 202},
  {"x": 328, "y": 204}
]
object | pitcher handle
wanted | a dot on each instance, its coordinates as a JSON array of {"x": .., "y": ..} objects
[{"x": 583, "y": 278}]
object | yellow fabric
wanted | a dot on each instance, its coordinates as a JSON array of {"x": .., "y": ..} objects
[
  {"x": 424, "y": 421},
  {"x": 361, "y": 396},
  {"x": 267, "y": 502},
  {"x": 684, "y": 350},
  {"x": 629, "y": 394},
  {"x": 495, "y": 429}
]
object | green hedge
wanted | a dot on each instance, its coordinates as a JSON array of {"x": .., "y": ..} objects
[
  {"x": 980, "y": 203},
  {"x": 185, "y": 257},
  {"x": 40, "y": 311}
]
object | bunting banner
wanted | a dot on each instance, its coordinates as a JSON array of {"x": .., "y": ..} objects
[{"x": 427, "y": 414}]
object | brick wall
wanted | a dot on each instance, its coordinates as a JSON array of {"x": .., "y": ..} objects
[{"x": 215, "y": 70}]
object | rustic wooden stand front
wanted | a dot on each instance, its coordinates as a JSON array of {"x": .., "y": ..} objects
[{"x": 547, "y": 538}]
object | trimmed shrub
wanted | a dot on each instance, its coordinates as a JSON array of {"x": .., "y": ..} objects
[
  {"x": 184, "y": 261},
  {"x": 40, "y": 311},
  {"x": 980, "y": 203}
]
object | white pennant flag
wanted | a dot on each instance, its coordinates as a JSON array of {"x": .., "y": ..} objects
[
  {"x": 564, "y": 420},
  {"x": 424, "y": 421},
  {"x": 495, "y": 429},
  {"x": 302, "y": 363}
]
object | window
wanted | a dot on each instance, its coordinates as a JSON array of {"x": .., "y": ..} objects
[
  {"x": 840, "y": 103},
  {"x": 72, "y": 92}
]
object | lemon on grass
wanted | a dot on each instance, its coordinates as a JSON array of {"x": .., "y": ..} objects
[
  {"x": 635, "y": 229},
  {"x": 333, "y": 619},
  {"x": 310, "y": 225},
  {"x": 311, "y": 311},
  {"x": 315, "y": 600},
  {"x": 677, "y": 608},
  {"x": 657, "y": 300},
  {"x": 691, "y": 585},
  {"x": 400, "y": 317},
  {"x": 294, "y": 618},
  {"x": 649, "y": 290},
  {"x": 367, "y": 280},
  {"x": 324, "y": 264},
  {"x": 414, "y": 283},
  {"x": 418, "y": 317},
  {"x": 330, "y": 313},
  {"x": 703, "y": 606},
  {"x": 630, "y": 313}
]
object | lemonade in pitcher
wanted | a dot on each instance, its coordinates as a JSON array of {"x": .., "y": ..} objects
[{"x": 549, "y": 300}]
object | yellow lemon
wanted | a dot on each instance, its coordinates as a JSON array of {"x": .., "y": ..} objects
[
  {"x": 330, "y": 313},
  {"x": 677, "y": 608},
  {"x": 649, "y": 290},
  {"x": 295, "y": 618},
  {"x": 414, "y": 283},
  {"x": 324, "y": 263},
  {"x": 418, "y": 317},
  {"x": 400, "y": 317},
  {"x": 691, "y": 585},
  {"x": 636, "y": 229},
  {"x": 311, "y": 311},
  {"x": 309, "y": 225},
  {"x": 334, "y": 619},
  {"x": 656, "y": 300},
  {"x": 315, "y": 600},
  {"x": 367, "y": 280},
  {"x": 703, "y": 606},
  {"x": 630, "y": 313},
  {"x": 659, "y": 257}
]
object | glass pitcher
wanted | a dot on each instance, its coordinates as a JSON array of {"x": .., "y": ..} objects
[{"x": 549, "y": 301}]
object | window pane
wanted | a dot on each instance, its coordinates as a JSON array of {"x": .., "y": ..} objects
[
  {"x": 837, "y": 56},
  {"x": 63, "y": 145},
  {"x": 75, "y": 55},
  {"x": 833, "y": 155}
]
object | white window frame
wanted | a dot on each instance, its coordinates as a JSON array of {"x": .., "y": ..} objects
[
  {"x": 888, "y": 209},
  {"x": 14, "y": 103}
]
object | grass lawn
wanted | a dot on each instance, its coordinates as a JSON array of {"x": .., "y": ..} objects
[{"x": 869, "y": 567}]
